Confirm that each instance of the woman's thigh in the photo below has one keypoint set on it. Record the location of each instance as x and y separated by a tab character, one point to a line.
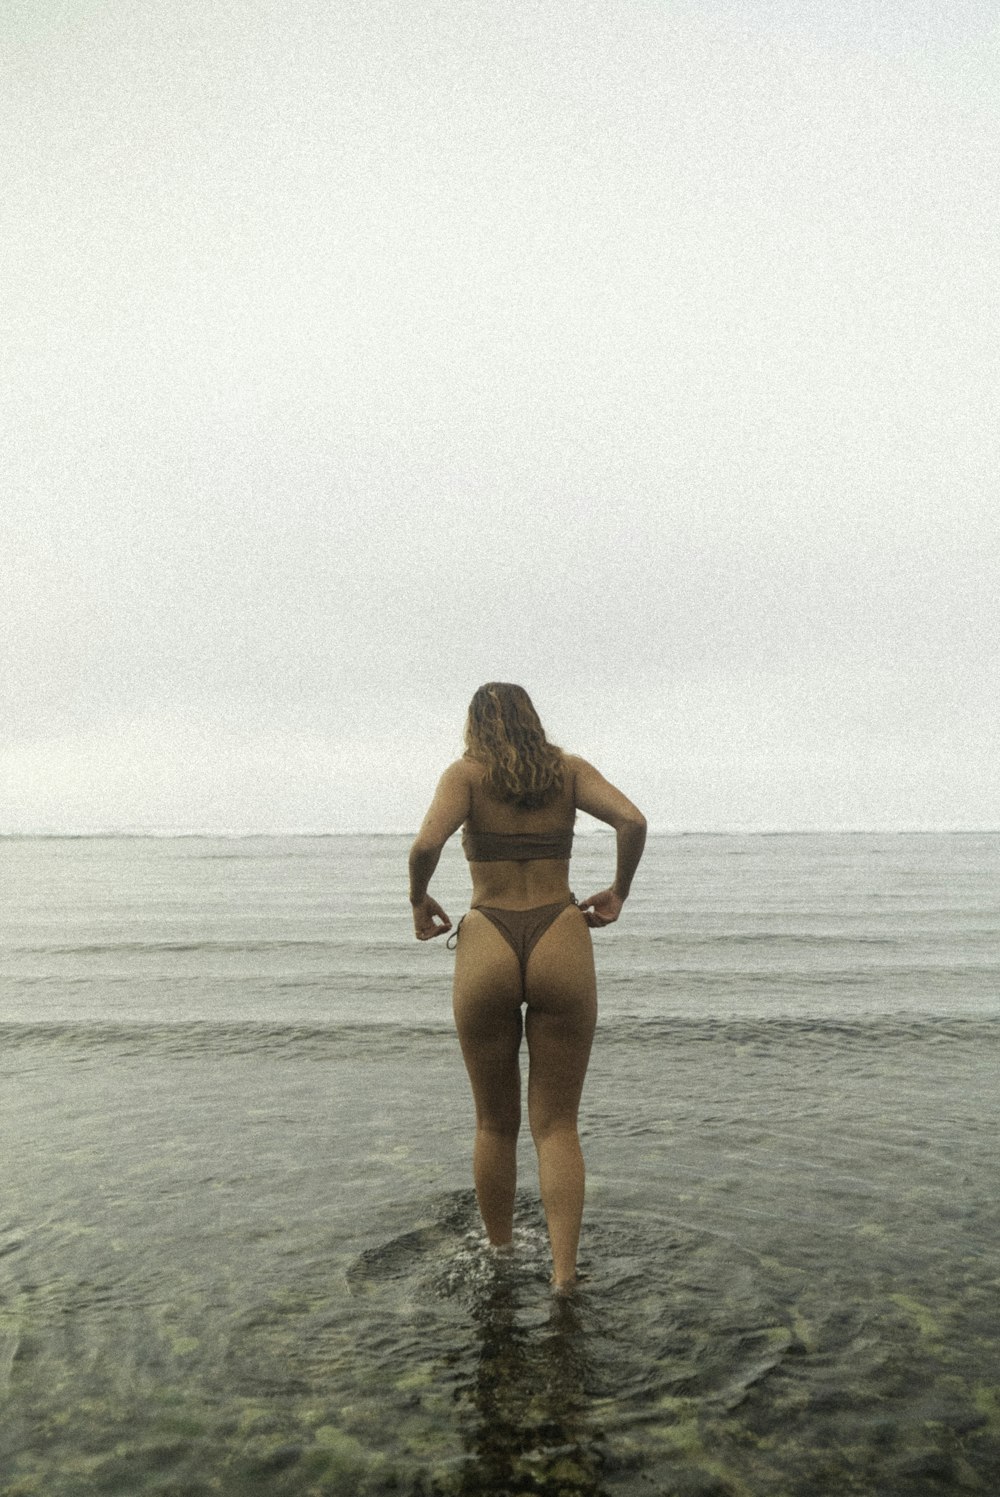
487	1006
561	993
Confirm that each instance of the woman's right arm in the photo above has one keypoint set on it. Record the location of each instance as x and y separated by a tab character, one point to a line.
449	808
599	798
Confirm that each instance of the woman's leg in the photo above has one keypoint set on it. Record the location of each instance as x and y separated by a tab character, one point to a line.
487	1007
561	993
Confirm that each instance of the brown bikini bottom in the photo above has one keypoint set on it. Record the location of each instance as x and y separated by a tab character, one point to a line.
521	929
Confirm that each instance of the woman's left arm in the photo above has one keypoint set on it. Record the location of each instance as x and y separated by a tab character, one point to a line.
448	809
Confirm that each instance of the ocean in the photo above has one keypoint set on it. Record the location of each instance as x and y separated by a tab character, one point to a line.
239	1252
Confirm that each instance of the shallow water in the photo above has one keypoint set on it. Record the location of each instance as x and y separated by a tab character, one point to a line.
238	1253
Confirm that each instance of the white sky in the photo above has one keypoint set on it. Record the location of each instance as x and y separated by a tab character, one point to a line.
642	352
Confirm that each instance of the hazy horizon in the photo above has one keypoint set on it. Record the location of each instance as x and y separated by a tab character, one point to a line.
223	834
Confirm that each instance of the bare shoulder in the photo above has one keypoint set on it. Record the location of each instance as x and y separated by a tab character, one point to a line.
450	806
458	781
463	774
460	772
597	796
577	766
581	771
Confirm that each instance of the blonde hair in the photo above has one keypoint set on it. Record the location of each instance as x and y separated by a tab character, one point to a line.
503	732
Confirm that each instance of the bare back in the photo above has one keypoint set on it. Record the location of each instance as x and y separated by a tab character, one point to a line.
519	884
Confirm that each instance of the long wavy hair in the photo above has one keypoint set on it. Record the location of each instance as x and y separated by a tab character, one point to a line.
504	733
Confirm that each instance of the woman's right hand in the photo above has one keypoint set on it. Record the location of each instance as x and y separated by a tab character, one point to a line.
601	909
427	914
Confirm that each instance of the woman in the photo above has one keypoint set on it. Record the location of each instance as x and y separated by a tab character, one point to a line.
524	941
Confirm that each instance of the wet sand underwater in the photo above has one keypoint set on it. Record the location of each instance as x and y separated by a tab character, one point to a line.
239	1253
247	1262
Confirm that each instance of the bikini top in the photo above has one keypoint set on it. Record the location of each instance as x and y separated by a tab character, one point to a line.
496	847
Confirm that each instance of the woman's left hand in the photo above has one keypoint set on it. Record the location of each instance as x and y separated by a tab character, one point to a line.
601	909
429	919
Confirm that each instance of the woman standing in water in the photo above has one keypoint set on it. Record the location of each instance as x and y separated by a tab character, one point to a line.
524	941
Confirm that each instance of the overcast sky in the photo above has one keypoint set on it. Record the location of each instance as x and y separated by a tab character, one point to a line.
357	351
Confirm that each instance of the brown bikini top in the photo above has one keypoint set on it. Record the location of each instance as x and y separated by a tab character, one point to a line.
516	847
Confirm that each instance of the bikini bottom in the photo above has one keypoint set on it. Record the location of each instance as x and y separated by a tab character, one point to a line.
523	929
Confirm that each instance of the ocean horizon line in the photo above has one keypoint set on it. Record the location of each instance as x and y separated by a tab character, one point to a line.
133	833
